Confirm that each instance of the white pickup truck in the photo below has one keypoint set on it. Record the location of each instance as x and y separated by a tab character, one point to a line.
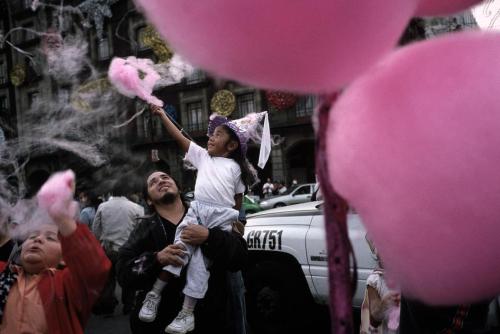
288	273
287	276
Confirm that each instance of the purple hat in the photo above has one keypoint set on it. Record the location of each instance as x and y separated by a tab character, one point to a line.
246	128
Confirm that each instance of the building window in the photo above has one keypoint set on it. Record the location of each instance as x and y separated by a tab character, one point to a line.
246	104
195	77
140	32
4	102
63	96
3	72
103	49
195	116
33	98
305	106
27	32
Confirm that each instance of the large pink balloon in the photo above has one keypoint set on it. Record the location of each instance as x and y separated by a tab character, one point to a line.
414	145
443	7
299	45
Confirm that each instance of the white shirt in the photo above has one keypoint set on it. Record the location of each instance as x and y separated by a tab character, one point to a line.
115	219
219	179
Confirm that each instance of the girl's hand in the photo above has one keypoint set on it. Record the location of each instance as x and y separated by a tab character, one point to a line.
194	234
56	196
392	298
157	111
172	254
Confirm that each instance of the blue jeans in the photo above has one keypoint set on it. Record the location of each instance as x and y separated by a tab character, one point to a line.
237	302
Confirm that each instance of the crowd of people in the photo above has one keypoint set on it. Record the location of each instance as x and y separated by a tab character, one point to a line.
178	264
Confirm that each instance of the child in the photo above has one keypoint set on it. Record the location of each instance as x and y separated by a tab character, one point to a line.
44	294
380	308
222	173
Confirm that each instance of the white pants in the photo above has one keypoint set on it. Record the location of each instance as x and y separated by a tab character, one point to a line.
208	215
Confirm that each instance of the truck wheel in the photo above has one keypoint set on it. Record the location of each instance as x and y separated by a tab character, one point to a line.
277	300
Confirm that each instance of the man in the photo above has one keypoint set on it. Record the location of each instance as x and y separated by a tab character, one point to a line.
113	222
150	247
268	188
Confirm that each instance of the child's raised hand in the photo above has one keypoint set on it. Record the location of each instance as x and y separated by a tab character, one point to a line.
156	110
56	196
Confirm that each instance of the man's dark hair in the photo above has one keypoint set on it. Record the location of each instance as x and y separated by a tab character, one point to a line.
145	193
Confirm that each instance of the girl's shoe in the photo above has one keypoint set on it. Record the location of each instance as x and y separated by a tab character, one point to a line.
183	323
150	307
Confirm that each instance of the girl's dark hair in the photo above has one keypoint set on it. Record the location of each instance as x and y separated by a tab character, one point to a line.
246	174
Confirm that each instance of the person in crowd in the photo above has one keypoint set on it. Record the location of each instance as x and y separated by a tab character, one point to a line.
223	173
268	188
151	246
62	269
113	222
380	307
6	242
294	184
282	189
88	203
417	317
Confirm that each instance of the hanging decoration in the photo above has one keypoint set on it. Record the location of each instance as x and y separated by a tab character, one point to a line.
281	100
152	39
96	11
51	41
82	98
223	102
18	74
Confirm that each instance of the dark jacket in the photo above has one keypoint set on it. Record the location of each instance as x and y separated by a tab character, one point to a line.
138	269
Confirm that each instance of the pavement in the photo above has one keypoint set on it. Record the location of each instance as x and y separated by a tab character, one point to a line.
115	324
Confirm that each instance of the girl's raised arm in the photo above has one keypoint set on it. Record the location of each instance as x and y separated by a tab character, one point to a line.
171	128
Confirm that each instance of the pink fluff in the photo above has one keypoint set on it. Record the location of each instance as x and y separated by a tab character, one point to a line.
56	195
414	147
443	7
393	323
300	45
125	75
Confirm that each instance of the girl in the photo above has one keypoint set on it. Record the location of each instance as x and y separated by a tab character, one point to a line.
223	172
380	308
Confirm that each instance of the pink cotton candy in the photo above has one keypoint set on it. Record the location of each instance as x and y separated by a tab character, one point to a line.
300	45
393	323
134	77
56	195
443	7
414	146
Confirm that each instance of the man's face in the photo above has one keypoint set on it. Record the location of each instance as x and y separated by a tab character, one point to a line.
161	186
41	250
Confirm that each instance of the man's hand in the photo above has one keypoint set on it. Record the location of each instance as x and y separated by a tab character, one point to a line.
194	234
172	254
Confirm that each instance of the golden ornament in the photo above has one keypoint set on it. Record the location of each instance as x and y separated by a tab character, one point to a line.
223	102
82	97
152	39
18	75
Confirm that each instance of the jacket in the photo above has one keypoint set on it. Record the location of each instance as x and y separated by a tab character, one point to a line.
68	294
138	269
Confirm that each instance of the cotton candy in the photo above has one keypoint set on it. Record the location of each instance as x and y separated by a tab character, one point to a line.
134	77
414	146
300	45
56	195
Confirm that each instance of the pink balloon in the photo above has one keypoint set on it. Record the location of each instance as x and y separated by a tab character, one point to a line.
414	146
299	45
443	7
